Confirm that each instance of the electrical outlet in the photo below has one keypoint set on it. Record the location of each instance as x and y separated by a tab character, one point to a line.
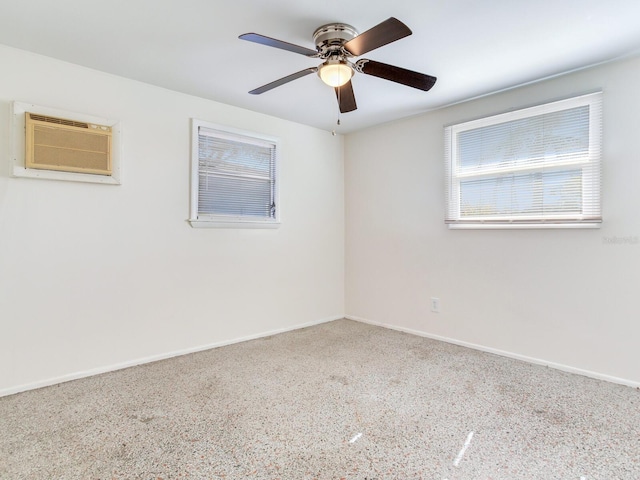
435	305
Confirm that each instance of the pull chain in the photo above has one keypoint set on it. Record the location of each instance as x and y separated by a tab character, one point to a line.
333	132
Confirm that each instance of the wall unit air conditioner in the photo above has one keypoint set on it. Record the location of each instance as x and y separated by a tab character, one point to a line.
67	145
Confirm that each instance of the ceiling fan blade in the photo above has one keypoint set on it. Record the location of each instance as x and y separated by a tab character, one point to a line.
272	42
283	80
346	98
386	32
406	77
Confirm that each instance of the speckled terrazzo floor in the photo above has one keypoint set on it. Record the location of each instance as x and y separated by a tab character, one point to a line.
342	400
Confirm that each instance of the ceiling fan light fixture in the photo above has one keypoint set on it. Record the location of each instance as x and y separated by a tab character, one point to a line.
335	72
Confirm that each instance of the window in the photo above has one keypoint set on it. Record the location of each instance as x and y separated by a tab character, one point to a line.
233	181
537	167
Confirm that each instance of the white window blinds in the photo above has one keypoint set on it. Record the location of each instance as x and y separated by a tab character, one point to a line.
236	177
537	166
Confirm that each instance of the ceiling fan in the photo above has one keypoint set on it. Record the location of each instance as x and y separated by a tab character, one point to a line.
336	44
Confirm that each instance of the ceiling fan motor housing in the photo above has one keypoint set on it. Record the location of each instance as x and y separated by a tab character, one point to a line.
330	38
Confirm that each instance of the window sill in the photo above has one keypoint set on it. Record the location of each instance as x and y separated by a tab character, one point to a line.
240	223
521	226
66	176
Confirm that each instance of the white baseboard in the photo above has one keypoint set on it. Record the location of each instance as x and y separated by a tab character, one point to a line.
154	358
503	353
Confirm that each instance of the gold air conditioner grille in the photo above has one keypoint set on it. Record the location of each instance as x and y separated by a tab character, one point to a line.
67	145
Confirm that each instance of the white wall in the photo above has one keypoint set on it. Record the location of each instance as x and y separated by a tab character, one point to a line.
160	287
95	276
564	297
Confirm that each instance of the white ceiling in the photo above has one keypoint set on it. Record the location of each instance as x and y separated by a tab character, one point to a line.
474	47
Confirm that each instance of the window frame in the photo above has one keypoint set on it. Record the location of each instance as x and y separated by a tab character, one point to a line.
590	164
199	220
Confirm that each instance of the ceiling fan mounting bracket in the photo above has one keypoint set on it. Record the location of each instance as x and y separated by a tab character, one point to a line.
330	38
